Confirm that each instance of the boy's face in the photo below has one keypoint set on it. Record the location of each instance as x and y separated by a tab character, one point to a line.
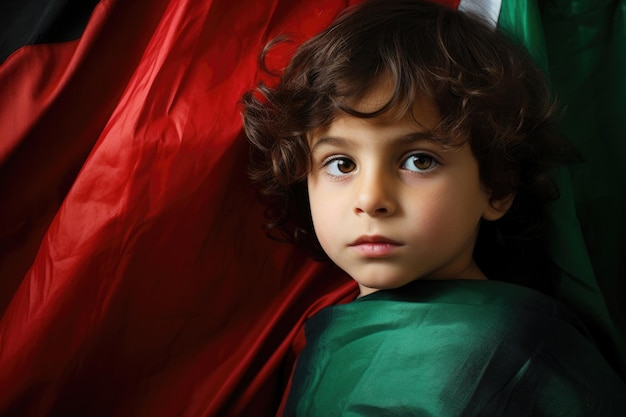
390	206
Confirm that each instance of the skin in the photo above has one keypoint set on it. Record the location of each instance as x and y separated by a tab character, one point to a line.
390	205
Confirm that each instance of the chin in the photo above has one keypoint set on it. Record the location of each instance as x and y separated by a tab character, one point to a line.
382	284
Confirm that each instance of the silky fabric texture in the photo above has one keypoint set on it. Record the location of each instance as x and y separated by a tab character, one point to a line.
41	21
452	348
135	276
586	50
580	45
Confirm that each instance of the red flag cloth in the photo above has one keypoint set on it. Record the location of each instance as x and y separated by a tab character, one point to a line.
137	279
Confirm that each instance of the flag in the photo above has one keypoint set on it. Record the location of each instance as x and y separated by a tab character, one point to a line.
136	277
580	45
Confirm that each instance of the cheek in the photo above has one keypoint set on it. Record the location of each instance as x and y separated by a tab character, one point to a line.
323	213
443	214
326	230
433	217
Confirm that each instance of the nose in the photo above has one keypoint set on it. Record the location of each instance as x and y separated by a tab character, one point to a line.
375	195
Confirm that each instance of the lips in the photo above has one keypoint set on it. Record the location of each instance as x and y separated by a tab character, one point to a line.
375	246
373	239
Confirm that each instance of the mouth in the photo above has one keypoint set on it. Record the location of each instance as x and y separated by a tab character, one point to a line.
375	246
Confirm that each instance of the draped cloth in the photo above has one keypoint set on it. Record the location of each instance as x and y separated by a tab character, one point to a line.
452	348
135	276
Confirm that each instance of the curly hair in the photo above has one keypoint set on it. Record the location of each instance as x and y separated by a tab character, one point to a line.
487	91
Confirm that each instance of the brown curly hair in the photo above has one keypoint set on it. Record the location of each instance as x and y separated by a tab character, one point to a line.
487	91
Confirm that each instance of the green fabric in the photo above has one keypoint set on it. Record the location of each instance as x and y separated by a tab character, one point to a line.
452	348
582	47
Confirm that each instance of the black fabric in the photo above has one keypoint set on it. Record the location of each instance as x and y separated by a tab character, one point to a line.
27	22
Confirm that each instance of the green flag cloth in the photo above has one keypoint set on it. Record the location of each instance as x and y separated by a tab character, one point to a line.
582	47
452	348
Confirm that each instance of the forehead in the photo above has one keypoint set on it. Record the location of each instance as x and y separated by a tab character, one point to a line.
421	115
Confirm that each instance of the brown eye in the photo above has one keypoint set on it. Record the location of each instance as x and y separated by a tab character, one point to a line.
340	166
419	162
345	165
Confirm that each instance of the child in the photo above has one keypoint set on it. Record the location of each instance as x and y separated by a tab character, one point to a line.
410	144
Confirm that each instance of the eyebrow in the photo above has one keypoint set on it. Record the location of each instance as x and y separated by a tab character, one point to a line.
403	139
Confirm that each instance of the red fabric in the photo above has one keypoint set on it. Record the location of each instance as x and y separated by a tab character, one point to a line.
136	278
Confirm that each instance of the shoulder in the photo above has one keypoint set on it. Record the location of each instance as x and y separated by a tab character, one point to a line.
488	309
487	345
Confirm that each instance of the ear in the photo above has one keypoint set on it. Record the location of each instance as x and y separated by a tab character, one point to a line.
498	207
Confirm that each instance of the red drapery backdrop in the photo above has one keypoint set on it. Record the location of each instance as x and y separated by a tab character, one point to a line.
136	277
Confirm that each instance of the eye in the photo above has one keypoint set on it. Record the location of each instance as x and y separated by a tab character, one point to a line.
419	162
339	166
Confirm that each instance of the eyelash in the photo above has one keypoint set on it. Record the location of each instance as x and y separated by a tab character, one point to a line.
332	163
328	163
432	162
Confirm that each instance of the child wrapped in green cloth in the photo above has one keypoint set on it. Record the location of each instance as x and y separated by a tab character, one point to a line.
411	145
